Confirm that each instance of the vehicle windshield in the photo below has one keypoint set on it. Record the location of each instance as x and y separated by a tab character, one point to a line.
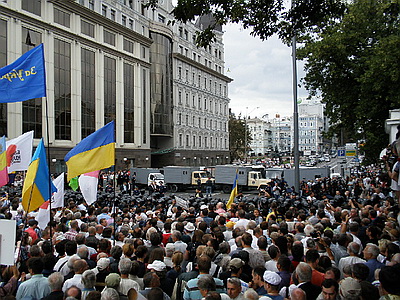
203	175
159	177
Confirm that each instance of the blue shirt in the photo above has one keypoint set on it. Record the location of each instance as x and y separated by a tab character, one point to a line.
36	287
192	292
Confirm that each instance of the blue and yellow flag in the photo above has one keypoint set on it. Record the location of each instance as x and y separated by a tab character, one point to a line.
38	186
93	153
25	78
234	192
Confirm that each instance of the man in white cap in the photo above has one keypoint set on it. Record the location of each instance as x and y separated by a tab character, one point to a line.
189	229
271	283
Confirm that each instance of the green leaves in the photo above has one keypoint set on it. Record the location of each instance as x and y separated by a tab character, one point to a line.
264	17
355	66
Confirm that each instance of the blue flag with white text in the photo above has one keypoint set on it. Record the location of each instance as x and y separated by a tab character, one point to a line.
25	78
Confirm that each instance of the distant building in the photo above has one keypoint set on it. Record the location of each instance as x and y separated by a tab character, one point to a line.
261	136
276	134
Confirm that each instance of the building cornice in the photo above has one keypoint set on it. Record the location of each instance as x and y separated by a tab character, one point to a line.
202	67
91	15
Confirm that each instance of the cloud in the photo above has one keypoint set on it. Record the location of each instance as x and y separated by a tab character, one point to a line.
261	73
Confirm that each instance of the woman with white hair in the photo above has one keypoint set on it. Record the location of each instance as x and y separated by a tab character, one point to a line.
126	284
89	281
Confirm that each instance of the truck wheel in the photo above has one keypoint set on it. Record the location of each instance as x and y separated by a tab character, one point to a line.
227	189
174	188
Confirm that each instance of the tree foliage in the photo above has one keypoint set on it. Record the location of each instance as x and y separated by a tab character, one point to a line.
237	137
355	66
264	17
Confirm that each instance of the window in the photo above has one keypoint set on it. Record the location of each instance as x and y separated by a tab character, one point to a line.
179	97
62	89
161	18
200	138
130	23
187	141
123	20
31	109
143	50
91	4
179	119
186	35
112	15
130	3
109	89
180	140
194	141
180	32
61	17
129	46
87	92
179	73
87	28
109	37
129	103
104	10
32	6
144	105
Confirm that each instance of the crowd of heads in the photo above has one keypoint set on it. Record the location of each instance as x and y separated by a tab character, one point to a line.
336	239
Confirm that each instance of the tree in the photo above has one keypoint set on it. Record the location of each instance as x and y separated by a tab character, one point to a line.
237	137
264	17
355	66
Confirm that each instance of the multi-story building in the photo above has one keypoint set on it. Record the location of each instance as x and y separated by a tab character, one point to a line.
118	60
282	132
312	124
262	137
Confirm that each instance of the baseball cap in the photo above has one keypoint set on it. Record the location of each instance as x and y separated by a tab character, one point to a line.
157	265
349	287
113	280
236	263
272	278
230	224
103	263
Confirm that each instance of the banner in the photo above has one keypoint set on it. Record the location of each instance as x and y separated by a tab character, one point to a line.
19	152
88	183
58	197
25	78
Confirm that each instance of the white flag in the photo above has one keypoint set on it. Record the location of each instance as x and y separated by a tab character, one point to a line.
19	152
58	198
43	216
88	185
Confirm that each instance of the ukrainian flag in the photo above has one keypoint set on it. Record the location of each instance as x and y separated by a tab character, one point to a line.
93	153
38	186
234	192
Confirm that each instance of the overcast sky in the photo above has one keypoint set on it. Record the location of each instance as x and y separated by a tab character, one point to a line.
261	73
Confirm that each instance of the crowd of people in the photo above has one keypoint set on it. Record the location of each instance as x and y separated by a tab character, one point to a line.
337	239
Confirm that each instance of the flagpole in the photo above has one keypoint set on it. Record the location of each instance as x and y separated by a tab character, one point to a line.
26	220
115	192
48	163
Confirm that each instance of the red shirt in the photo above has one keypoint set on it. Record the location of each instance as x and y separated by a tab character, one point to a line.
32	234
317	277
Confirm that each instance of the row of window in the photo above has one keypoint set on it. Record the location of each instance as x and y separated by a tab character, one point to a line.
200	122
198	103
200	142
32	109
202	82
197	58
183	33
